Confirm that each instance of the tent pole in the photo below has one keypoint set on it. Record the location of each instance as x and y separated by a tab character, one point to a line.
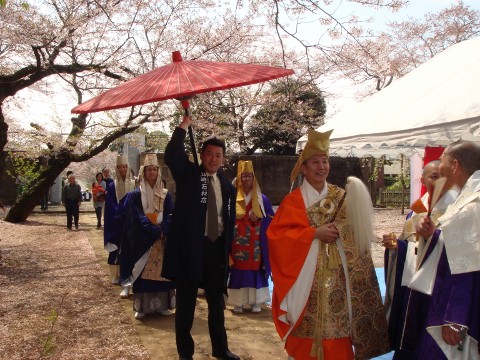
403	184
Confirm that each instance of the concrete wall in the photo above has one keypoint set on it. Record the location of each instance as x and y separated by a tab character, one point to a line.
55	192
273	172
133	152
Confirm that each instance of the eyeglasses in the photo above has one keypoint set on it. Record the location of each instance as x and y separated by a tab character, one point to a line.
247	176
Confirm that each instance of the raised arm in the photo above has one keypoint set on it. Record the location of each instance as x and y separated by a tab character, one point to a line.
176	157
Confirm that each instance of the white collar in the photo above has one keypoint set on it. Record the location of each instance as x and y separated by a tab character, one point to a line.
473	182
311	195
448	198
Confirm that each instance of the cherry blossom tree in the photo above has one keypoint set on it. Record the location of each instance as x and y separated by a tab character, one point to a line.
87	47
76	49
86	170
417	40
380	58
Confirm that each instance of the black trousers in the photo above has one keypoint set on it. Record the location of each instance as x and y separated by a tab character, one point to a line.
113	258
44	201
98	212
71	205
213	276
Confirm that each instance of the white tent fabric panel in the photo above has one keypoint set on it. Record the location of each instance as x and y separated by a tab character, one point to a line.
434	105
416	170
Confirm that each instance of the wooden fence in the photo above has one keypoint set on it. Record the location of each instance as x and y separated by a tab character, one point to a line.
394	198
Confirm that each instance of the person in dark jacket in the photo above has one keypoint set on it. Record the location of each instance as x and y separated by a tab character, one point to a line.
198	244
71	199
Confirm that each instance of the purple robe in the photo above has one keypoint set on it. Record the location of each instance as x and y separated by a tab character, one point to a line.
404	343
455	299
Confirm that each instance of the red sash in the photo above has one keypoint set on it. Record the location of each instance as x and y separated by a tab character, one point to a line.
246	251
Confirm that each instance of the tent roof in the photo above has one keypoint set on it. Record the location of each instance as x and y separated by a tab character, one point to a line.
434	105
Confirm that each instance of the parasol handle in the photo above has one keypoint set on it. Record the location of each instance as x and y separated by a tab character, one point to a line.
186	107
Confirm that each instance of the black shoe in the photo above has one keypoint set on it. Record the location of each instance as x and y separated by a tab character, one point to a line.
227	356
76	227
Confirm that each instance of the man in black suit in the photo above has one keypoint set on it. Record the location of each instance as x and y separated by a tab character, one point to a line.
198	243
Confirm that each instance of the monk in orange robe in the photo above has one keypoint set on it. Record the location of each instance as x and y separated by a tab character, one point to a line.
326	299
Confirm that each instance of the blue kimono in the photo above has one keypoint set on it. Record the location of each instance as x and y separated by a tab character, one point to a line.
112	225
138	236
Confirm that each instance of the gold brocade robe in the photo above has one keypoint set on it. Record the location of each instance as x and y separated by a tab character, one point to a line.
327	314
153	266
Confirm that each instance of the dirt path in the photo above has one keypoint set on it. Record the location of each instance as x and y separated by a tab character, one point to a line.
251	336
54	299
90	311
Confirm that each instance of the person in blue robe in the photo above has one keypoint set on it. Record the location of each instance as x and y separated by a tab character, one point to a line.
115	192
146	220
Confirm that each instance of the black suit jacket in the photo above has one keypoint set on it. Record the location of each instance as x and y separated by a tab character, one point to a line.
183	258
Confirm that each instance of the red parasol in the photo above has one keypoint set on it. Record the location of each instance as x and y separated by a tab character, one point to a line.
181	80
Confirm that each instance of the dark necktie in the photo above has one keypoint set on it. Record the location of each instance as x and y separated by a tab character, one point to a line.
212	215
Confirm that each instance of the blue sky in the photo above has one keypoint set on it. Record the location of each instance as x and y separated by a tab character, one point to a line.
416	8
342	10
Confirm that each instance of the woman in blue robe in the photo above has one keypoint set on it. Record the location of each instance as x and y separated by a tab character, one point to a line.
147	216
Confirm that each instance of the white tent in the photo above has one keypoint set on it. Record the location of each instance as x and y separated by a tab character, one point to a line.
434	105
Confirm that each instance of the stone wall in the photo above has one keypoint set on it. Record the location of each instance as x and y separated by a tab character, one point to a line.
273	172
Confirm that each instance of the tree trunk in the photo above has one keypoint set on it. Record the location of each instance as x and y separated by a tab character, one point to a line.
3	132
24	205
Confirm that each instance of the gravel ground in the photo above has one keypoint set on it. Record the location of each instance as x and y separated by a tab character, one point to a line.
386	221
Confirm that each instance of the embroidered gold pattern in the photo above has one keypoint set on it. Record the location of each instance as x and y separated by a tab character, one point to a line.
327	309
153	267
